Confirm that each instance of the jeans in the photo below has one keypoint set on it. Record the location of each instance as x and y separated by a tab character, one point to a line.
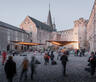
24	72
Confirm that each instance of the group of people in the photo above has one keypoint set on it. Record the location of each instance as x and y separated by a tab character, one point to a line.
48	56
10	65
80	52
10	68
63	58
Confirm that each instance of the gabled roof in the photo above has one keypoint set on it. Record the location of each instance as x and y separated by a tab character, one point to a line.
8	26
41	25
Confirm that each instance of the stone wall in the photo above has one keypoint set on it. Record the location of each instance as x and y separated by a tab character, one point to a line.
91	30
80	32
66	35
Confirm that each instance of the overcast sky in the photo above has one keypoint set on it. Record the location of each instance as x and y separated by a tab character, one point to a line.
63	11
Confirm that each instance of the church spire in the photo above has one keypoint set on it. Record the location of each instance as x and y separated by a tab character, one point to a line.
54	25
49	19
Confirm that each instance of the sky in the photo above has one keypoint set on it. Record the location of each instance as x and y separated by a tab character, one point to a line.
64	12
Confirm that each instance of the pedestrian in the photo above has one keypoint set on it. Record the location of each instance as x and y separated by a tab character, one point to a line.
81	53
4	54
10	69
58	55
92	62
64	60
78	52
52	56
33	66
95	54
75	52
67	52
0	52
46	58
24	68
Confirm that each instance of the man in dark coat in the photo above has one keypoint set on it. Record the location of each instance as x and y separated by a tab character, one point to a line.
92	61
64	60
10	69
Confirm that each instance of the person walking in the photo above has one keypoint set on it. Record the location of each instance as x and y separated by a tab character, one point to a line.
52	56
81	53
33	66
4	54
46	58
24	68
58	56
78	52
64	60
10	69
0	52
92	62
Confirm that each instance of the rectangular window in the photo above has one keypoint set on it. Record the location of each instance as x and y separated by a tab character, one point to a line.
8	34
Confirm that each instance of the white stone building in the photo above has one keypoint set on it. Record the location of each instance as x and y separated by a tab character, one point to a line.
84	31
77	33
40	31
80	32
91	29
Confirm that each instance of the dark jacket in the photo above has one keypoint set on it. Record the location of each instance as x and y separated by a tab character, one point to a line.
52	55
10	68
64	59
92	61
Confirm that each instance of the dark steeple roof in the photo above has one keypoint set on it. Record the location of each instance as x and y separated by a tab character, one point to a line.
49	19
41	25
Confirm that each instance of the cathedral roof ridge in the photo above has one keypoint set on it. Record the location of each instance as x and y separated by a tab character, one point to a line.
40	24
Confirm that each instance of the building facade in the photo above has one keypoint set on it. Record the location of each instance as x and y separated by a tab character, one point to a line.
33	30
9	33
80	32
91	30
77	33
40	31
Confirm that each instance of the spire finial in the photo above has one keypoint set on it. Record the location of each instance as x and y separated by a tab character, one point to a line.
49	5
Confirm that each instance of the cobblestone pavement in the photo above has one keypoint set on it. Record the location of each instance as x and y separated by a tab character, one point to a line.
50	73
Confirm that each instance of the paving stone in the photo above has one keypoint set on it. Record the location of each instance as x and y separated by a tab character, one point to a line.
53	73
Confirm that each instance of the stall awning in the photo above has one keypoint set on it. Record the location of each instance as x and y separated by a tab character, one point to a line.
61	43
27	43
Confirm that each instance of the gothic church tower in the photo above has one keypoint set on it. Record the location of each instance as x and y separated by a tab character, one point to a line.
49	20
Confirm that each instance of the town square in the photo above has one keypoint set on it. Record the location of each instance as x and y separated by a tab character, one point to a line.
47	41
